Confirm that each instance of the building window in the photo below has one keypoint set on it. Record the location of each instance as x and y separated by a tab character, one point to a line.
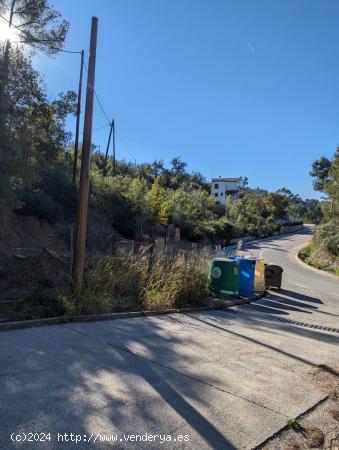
216	186
216	194
222	194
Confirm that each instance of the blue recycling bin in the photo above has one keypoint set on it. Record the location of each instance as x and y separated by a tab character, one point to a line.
246	275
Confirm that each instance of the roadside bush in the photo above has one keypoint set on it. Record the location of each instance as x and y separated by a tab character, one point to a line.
40	205
140	282
327	237
120	276
218	230
306	252
41	304
176	283
331	243
323	251
60	189
95	301
109	197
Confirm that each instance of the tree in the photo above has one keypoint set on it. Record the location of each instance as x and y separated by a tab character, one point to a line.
38	24
178	172
320	171
34	136
137	194
312	212
326	173
295	206
332	185
40	27
277	206
243	182
198	181
178	166
159	203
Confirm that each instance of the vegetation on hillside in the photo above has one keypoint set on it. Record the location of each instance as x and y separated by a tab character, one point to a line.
323	251
151	194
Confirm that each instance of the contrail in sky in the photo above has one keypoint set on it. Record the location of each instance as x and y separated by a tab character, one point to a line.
250	47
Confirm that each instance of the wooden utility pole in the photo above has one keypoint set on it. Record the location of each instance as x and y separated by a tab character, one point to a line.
80	233
76	143
107	148
113	147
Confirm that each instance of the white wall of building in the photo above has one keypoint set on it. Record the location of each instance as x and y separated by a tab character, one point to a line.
222	187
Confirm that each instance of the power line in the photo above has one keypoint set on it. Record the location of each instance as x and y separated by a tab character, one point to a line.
52	47
100	128
101	107
37	41
99	102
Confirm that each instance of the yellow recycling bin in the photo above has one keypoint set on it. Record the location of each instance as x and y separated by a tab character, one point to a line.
259	274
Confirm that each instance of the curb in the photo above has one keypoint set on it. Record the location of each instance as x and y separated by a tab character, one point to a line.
219	305
295	252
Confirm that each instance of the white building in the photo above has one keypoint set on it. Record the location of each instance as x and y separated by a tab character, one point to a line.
222	187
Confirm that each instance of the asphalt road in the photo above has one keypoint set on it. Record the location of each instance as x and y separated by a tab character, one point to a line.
221	379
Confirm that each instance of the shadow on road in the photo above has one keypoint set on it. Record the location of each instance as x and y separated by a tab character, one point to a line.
302	297
278	305
281	302
73	380
254	323
289	302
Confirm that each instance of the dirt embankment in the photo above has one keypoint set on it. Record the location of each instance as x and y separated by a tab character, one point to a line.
35	260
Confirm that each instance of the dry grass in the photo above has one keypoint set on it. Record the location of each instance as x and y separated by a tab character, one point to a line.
176	282
143	281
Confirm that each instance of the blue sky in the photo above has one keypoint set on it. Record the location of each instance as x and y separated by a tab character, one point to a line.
233	87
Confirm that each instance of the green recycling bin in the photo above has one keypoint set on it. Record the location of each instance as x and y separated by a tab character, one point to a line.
223	278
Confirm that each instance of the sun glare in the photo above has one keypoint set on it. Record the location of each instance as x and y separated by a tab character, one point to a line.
8	33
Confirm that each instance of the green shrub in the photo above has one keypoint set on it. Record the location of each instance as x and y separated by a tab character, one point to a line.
140	281
331	243
45	303
60	189
323	230
318	263
176	283
323	251
95	301
222	230
327	237
109	197
40	205
213	230
306	252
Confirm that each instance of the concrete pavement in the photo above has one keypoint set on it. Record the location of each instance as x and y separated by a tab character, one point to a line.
220	379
